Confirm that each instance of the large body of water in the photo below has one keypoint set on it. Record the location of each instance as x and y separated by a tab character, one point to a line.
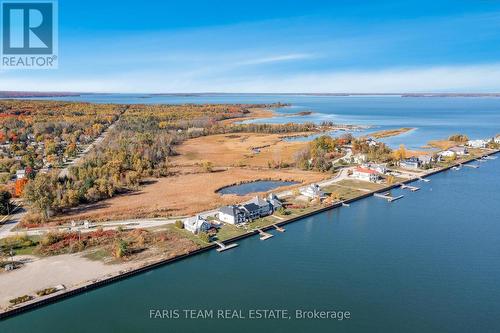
433	117
427	263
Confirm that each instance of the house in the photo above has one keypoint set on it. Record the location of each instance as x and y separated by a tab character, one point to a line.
477	143
251	210
20	174
265	207
274	202
312	191
197	224
376	167
410	163
232	215
460	151
365	174
425	160
359	158
497	139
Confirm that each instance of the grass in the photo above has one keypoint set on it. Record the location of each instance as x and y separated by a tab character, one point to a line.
228	231
358	184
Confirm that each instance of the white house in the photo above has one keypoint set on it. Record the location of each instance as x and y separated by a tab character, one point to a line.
477	143
312	191
380	168
360	158
426	159
20	174
447	153
365	174
232	215
497	139
410	163
197	224
460	151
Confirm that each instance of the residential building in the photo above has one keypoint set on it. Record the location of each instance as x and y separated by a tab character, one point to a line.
497	139
460	151
265	207
365	174
20	174
380	168
360	158
251	210
232	215
477	143
410	163
274	201
197	224
425	160
312	191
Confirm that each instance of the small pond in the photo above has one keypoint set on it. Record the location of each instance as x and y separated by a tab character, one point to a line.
257	186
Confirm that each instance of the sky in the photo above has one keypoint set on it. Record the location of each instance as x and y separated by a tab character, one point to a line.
272	46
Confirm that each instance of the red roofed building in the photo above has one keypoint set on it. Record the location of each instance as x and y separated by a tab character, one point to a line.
365	174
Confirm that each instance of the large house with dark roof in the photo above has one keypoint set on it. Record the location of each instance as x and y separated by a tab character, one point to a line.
250	210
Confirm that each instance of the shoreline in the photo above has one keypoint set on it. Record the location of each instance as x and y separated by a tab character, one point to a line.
97	283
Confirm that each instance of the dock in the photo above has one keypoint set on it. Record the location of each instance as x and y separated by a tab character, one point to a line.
223	247
473	166
264	235
411	188
387	196
424	179
345	205
489	157
280	229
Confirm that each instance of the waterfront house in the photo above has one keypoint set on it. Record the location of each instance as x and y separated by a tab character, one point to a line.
425	160
460	151
380	168
274	202
497	139
365	174
477	143
410	163
251	211
312	191
265	207
197	224
232	215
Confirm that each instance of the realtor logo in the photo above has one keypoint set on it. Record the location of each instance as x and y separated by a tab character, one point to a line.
29	34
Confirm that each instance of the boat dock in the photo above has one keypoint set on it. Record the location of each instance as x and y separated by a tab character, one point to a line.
424	179
264	235
473	166
411	188
345	205
387	196
223	247
280	229
489	158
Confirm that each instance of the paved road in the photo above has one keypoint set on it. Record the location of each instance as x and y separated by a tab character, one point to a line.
9	222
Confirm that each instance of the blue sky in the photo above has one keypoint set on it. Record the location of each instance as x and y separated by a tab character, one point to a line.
272	46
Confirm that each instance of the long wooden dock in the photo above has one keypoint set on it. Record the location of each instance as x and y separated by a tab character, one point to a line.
223	247
411	188
387	196
473	166
264	235
280	229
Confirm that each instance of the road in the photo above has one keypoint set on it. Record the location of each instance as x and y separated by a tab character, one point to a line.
64	172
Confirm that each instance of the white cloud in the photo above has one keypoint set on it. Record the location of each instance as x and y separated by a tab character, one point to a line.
466	78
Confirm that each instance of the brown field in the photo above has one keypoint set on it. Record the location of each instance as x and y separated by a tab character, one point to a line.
236	150
184	194
442	144
255	113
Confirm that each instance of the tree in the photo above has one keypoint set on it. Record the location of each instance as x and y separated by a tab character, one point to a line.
40	193
400	154
204	236
179	224
5	197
